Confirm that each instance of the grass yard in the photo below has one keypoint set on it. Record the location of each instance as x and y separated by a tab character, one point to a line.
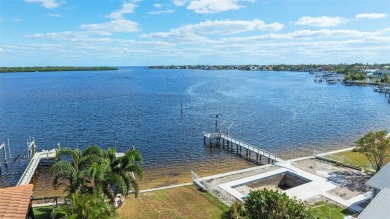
358	159
323	209
181	202
42	212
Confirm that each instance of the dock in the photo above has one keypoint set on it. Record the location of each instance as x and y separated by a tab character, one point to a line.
35	158
229	142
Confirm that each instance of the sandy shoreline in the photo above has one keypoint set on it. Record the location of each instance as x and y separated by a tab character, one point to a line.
160	176
154	178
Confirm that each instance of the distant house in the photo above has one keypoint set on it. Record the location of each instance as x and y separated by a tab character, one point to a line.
380	196
382	72
15	202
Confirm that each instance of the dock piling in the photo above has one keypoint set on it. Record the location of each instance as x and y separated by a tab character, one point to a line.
239	145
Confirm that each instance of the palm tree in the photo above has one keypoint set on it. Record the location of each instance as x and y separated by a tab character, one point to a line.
126	167
84	206
75	170
97	171
116	173
71	171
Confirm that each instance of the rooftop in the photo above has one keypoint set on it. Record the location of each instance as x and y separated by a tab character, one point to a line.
381	179
15	201
379	207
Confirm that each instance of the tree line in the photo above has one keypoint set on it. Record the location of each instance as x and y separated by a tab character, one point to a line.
53	68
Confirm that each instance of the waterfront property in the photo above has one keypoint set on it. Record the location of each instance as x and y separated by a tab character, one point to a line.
380	181
307	179
380	196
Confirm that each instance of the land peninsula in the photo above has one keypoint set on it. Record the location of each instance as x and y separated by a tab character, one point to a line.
342	68
53	68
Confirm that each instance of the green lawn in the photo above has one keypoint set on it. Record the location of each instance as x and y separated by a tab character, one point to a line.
357	158
42	212
182	202
323	209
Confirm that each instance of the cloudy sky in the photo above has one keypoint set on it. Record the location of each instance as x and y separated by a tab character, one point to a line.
165	32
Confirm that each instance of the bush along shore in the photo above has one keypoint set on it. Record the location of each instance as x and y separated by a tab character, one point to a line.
53	68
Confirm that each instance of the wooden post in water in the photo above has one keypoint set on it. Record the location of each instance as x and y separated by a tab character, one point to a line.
204	140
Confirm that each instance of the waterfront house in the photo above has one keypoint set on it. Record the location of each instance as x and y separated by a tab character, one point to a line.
381	73
379	207
15	202
380	196
380	180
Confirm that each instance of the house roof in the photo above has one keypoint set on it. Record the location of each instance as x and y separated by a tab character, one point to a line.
378	207
381	179
15	201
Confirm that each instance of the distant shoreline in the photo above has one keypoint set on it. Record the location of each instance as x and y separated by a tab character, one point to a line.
53	69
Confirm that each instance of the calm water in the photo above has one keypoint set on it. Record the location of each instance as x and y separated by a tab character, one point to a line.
282	112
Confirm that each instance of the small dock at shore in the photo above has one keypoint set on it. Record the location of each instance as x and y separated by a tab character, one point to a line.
35	159
236	146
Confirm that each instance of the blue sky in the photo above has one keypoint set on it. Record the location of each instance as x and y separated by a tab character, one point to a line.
156	32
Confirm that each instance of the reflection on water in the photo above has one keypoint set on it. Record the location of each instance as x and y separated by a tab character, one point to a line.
282	112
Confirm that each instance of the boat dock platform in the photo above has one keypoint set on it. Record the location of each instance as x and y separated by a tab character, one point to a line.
230	142
33	165
35	157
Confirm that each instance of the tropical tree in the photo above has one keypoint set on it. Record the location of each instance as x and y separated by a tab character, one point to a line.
97	172
117	174
375	146
127	168
72	171
84	206
269	204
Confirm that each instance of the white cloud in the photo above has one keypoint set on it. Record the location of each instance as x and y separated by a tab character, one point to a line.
162	9
329	46
211	6
218	27
127	8
180	2
371	15
119	25
322	21
167	11
18	20
50	4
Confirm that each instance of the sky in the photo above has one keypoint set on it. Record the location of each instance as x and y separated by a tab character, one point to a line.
179	32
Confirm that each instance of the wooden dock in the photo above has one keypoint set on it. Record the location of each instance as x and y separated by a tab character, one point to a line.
239	145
